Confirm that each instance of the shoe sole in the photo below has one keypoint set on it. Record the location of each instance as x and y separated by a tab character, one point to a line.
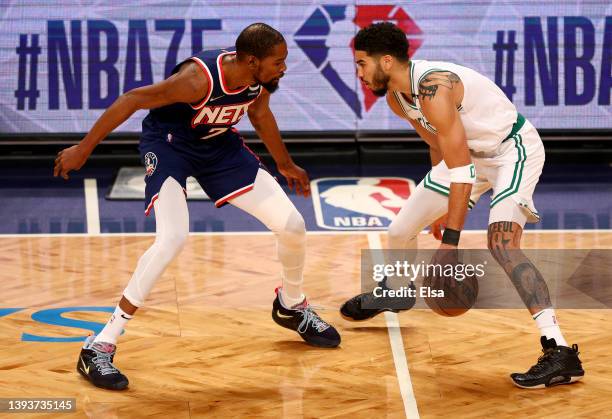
573	379
318	344
84	374
351	319
322	344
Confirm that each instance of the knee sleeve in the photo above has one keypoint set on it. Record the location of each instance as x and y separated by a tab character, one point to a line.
172	230
294	231
269	204
291	242
399	237
422	208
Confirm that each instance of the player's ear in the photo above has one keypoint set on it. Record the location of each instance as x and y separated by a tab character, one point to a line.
386	61
253	62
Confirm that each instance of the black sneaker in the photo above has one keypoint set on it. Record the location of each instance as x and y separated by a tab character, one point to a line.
96	364
558	365
304	320
355	308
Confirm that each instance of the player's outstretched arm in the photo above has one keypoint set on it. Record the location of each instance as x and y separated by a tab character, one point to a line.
437	94
187	85
265	125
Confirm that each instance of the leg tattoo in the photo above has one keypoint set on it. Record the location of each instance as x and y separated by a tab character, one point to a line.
504	243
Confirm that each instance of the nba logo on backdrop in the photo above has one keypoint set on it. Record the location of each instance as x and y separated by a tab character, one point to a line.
335	62
367	203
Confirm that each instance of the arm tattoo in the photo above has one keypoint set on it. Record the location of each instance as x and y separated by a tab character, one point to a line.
429	85
528	281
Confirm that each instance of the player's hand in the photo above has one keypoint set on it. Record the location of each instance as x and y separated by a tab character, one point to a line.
71	158
437	226
297	179
447	254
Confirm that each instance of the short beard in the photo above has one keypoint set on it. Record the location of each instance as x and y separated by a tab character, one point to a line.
270	86
380	79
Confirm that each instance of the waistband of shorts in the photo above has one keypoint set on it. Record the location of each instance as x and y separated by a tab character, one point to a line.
520	121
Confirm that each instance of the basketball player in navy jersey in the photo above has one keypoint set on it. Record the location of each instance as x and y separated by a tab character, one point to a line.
189	132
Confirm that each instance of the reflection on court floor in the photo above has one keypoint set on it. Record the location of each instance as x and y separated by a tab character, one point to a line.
205	344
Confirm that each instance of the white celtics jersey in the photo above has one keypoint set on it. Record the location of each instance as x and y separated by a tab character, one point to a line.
486	113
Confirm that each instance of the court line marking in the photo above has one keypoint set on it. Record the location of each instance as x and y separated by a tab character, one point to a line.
91	207
268	233
397	348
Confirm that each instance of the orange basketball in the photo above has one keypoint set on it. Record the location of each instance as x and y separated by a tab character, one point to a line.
459	296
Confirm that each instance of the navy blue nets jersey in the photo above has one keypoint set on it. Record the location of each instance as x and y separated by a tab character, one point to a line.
215	113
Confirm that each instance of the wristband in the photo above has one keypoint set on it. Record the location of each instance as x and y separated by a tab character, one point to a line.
451	236
463	174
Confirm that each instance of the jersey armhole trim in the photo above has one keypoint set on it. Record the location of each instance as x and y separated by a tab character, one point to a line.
400	102
208	75
225	89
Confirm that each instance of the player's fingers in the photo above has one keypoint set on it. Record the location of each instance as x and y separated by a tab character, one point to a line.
56	169
435	230
305	186
290	183
298	187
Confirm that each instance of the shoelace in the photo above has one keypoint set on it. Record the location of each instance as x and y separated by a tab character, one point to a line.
541	361
309	316
103	363
361	298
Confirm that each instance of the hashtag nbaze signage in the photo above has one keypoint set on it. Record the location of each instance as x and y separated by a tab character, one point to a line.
62	64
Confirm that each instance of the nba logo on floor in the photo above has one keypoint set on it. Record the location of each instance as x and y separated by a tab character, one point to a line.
359	203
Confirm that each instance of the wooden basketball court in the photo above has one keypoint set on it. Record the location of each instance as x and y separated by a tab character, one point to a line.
205	345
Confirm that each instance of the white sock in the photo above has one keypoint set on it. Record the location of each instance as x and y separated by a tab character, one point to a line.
114	327
293	297
547	323
289	301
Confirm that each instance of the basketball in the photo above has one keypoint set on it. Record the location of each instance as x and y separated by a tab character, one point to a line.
458	296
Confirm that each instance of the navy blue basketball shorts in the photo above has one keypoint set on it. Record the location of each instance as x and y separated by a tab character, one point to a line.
224	166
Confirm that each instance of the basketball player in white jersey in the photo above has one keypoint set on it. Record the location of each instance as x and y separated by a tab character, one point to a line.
478	141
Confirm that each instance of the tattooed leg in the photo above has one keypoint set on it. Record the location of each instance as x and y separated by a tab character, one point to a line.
504	239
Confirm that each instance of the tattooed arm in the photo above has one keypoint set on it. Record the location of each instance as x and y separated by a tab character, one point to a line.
504	243
439	93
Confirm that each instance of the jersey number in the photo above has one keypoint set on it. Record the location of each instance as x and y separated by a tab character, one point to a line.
213	132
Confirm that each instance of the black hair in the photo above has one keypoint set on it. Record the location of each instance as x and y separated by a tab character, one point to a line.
381	39
257	39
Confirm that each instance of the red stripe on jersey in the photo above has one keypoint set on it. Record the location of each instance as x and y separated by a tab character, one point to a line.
210	82
224	86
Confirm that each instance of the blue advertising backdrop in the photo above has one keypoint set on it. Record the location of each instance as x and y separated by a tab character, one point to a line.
63	62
